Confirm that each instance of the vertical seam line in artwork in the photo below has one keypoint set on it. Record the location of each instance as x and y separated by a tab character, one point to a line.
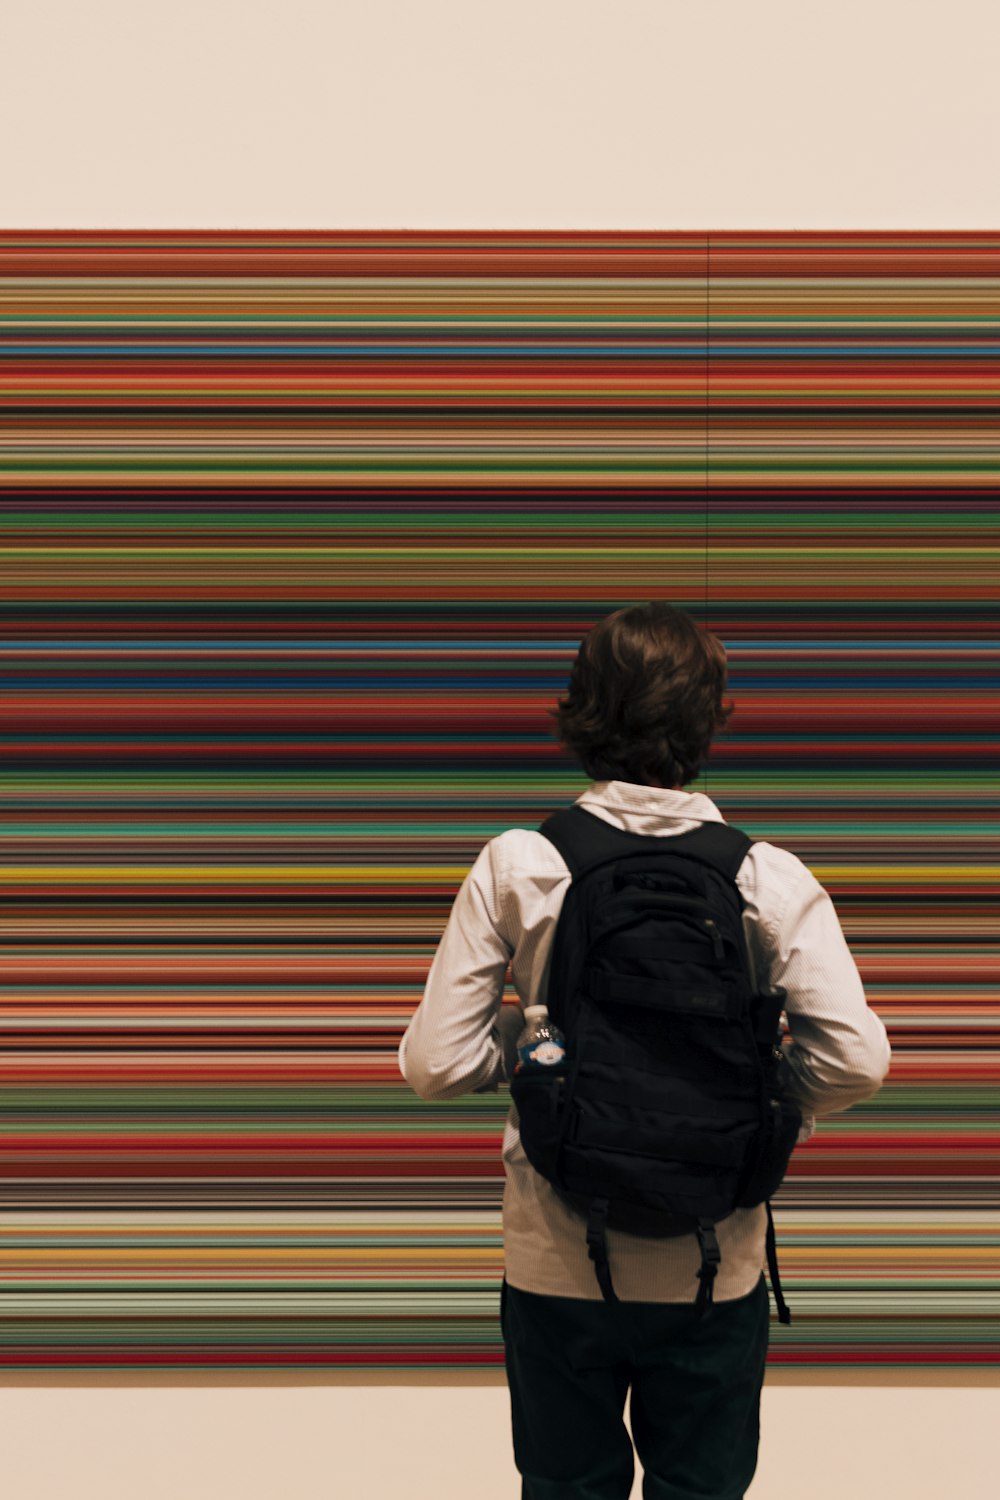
708	311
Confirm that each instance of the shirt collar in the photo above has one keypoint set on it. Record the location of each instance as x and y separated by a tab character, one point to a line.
659	800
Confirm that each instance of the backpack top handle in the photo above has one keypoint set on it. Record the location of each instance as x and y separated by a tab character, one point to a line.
586	841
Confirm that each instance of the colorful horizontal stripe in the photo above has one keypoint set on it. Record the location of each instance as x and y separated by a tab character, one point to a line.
300	534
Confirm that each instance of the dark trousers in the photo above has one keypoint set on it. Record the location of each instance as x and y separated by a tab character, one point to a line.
695	1406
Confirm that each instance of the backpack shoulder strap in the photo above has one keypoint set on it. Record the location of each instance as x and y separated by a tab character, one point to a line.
585	841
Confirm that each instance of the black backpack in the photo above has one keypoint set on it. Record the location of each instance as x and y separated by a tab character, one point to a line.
667	1113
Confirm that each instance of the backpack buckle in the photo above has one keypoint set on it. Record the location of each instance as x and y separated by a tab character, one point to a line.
711	1257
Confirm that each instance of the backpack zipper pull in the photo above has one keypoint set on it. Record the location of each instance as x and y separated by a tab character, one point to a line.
713	933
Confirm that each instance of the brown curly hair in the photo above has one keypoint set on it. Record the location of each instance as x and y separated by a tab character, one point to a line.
645	697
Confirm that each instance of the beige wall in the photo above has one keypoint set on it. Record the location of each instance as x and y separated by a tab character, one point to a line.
767	114
530	114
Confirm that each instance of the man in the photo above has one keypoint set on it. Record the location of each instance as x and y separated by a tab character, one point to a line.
645	698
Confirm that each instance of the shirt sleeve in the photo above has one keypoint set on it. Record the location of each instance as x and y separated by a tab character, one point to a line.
452	1045
838	1052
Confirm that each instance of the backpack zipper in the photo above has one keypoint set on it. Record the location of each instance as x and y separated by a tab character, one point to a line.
701	924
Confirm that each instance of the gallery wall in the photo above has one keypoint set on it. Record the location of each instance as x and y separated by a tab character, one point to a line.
567	114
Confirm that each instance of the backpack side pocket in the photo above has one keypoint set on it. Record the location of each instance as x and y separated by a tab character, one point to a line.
540	1099
783	1121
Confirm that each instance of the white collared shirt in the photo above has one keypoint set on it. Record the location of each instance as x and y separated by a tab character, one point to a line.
506	912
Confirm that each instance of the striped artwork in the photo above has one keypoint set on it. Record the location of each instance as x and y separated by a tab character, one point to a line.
301	532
